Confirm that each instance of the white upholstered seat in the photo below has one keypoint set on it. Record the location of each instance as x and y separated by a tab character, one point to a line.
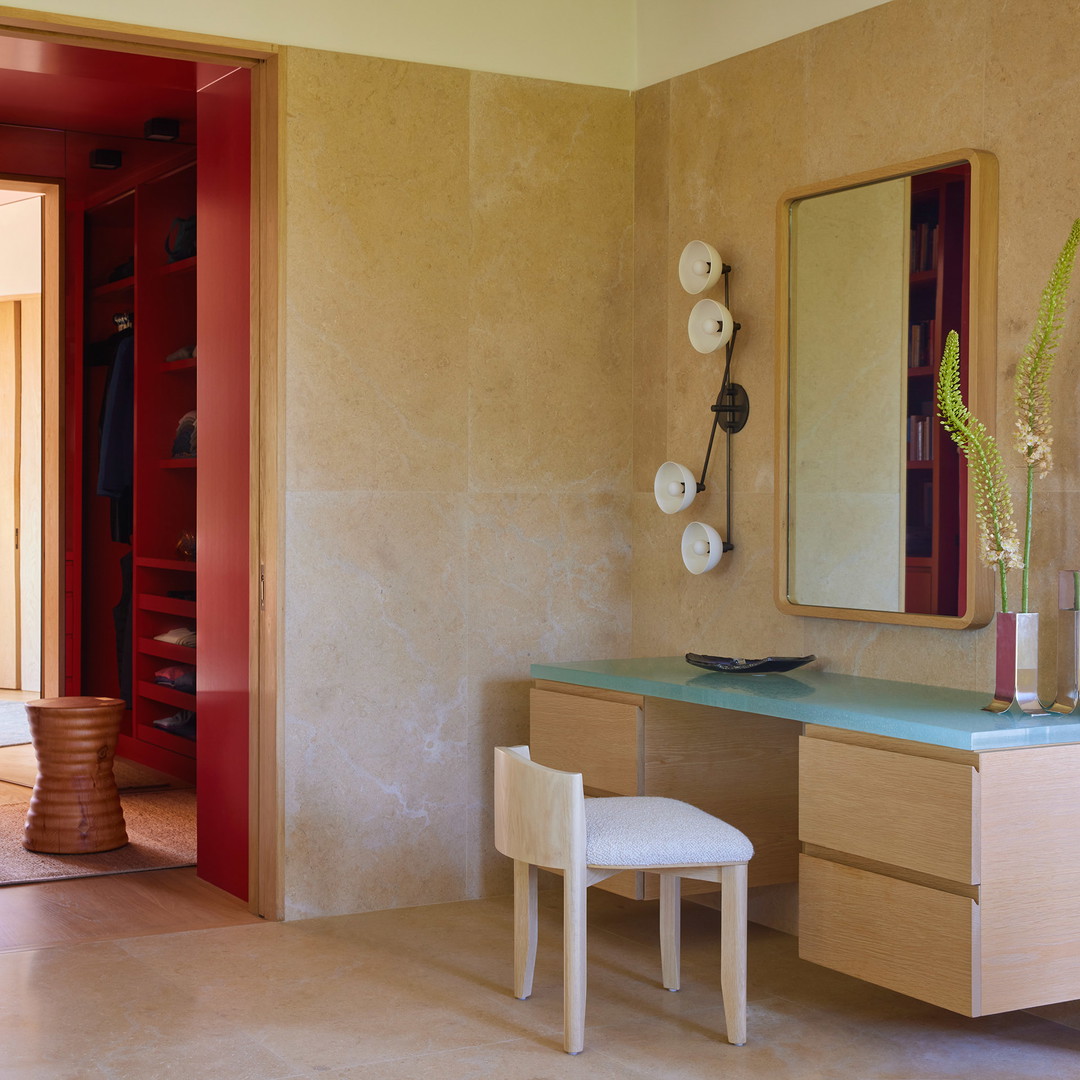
633	831
542	819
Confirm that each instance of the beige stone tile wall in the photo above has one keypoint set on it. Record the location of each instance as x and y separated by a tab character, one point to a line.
487	360
458	449
719	147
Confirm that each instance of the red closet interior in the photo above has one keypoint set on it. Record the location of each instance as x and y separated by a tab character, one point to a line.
939	284
157	402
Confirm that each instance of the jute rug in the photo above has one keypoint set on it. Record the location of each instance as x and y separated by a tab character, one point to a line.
18	765
14	726
161	834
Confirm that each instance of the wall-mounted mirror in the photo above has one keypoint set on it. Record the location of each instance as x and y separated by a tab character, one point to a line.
874	517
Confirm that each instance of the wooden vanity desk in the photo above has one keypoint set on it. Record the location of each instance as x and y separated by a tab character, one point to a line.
936	846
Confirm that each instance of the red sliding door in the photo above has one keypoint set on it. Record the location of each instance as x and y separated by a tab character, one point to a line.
224	497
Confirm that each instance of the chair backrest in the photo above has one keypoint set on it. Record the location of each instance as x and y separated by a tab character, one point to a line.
539	812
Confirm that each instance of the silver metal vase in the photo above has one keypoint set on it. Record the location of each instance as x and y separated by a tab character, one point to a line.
1016	669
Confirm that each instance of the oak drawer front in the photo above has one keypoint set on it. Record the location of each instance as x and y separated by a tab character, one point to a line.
600	739
905	937
908	811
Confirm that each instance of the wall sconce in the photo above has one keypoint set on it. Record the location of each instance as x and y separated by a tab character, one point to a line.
710	327
700	267
702	547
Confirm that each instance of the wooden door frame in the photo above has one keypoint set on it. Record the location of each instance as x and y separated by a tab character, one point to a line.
266	847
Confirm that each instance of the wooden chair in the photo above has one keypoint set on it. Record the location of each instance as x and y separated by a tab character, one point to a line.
542	819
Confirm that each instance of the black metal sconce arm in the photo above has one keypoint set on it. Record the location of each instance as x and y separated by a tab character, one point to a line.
730	412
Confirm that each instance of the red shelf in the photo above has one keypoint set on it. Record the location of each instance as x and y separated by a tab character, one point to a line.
111	288
149	733
167	605
181	267
180	365
179	463
166	695
164	564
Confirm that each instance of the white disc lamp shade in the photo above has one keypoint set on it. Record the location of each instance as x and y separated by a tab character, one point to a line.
700	267
674	487
701	547
710	326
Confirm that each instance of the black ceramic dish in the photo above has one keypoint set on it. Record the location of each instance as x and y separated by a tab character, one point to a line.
732	665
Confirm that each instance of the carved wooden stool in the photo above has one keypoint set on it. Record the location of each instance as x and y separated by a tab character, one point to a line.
75	807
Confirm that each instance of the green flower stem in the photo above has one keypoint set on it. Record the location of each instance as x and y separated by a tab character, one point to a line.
993	503
1032	387
1004	585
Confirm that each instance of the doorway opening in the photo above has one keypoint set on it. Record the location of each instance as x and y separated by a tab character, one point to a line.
21	344
20	442
66	93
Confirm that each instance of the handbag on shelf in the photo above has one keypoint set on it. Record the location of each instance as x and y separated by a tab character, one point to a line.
180	241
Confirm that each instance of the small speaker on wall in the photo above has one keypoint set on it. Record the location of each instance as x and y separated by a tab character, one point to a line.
106	159
161	129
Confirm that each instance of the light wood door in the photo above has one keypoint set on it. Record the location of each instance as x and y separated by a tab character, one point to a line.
10	460
30	495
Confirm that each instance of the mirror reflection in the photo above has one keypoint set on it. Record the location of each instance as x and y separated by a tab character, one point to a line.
878	272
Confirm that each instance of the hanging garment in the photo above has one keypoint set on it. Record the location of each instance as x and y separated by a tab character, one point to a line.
116	463
122	622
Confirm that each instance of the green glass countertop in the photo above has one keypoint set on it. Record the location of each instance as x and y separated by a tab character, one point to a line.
901	710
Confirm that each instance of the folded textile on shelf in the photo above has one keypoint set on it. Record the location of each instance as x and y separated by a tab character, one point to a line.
180	635
186	440
126	269
185	352
177	676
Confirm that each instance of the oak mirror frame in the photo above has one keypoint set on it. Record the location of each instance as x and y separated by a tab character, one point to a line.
875	520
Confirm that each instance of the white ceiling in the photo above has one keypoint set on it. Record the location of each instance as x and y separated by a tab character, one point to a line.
625	44
8	196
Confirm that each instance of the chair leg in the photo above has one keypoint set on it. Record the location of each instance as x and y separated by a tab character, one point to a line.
733	950
670	929
524	927
574	974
